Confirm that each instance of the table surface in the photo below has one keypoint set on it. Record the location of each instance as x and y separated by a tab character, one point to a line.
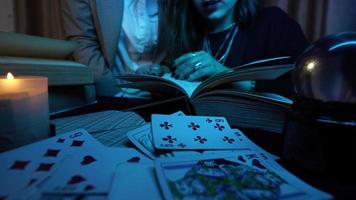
109	126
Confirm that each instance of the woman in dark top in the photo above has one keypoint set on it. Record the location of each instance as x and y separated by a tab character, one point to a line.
208	37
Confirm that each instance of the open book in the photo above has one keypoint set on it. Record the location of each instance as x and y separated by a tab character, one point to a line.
242	108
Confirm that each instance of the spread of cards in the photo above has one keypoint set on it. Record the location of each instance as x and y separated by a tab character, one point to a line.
178	157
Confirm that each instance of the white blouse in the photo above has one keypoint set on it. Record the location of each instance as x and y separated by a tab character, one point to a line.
137	41
138	38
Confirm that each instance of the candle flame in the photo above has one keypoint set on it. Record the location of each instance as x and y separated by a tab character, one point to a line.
10	76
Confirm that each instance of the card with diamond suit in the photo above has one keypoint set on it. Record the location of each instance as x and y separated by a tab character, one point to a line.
90	171
29	165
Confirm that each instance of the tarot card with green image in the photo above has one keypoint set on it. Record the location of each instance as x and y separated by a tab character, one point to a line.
221	177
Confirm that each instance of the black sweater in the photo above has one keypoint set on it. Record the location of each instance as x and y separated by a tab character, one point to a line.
274	34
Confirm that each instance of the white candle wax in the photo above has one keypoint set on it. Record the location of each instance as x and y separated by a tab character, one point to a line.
24	115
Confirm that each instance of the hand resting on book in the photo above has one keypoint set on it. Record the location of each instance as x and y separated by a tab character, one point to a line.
196	65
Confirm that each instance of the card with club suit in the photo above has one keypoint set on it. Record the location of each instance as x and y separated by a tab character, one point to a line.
192	133
142	138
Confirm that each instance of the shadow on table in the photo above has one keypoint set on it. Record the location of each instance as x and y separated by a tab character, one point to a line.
142	107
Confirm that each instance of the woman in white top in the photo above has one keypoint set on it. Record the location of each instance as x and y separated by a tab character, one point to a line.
115	37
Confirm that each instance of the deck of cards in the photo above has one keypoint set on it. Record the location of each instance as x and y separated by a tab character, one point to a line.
178	134
200	157
177	157
68	165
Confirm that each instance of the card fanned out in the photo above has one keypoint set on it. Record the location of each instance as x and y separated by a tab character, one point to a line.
195	157
70	164
30	165
192	133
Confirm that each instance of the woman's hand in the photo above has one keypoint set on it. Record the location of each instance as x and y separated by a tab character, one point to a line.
196	65
151	69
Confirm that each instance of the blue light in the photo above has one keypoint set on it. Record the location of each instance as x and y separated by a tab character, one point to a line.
342	45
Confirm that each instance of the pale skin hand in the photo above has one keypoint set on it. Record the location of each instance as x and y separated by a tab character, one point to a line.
185	69
186	66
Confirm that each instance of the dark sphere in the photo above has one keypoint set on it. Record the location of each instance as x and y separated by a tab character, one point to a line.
326	71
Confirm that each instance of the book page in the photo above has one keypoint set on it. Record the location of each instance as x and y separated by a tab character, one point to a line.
187	86
252	73
277	97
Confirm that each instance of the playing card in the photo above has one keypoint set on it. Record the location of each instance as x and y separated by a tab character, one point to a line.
98	122
29	165
129	177
179	113
192	132
245	156
243	144
188	153
248	157
90	171
222	177
73	197
252	146
142	138
36	193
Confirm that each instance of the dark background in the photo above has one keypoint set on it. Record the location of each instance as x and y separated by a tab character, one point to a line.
317	17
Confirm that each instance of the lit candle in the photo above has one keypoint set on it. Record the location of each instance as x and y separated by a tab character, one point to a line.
24	115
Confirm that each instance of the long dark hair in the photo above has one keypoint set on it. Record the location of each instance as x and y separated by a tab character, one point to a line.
182	29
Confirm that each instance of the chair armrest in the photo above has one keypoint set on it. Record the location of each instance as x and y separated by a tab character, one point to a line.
21	45
59	72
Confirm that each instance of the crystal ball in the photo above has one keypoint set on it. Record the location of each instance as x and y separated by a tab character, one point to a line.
326	70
